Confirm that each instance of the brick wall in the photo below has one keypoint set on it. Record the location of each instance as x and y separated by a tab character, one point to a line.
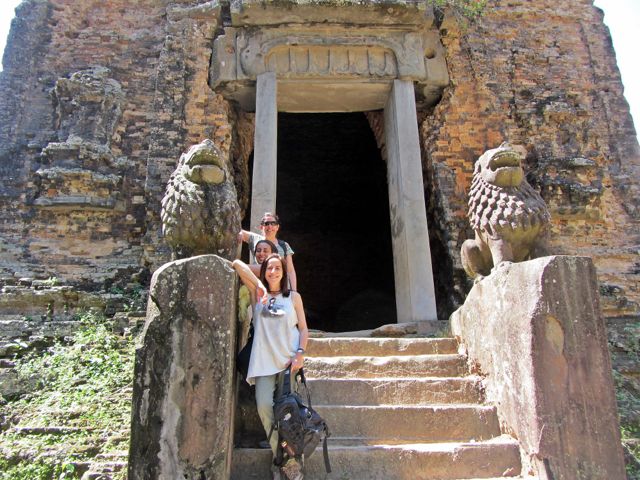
158	54
542	75
539	74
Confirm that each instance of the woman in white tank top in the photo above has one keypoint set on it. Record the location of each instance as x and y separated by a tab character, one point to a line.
280	333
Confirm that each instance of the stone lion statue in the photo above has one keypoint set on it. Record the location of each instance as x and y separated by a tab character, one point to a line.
508	216
200	212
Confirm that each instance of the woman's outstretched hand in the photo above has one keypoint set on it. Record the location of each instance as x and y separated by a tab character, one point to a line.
296	362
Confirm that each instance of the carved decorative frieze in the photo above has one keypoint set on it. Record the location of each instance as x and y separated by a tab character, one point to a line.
358	55
88	105
244	54
76	187
81	170
309	61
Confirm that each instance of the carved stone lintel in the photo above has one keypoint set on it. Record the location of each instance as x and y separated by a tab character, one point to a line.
315	55
308	61
309	55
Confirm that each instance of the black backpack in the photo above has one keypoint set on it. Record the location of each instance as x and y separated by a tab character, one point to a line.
300	428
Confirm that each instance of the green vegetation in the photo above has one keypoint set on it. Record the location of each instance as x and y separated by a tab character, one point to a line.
630	436
78	407
134	294
136	298
467	9
629	410
625	349
51	281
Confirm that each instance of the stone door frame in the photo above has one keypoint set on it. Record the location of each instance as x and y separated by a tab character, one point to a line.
413	273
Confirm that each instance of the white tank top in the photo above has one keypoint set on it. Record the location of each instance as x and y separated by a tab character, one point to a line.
275	338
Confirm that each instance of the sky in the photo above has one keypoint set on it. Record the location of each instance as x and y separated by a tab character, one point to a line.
623	19
621	16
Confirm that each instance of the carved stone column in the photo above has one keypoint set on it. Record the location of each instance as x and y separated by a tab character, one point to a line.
415	293
265	156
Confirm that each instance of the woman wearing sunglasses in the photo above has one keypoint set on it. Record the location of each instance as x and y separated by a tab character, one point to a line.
279	339
269	225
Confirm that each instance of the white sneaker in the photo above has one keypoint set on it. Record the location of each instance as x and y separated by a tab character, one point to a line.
293	470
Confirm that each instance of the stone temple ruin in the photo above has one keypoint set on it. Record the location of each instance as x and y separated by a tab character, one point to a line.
359	123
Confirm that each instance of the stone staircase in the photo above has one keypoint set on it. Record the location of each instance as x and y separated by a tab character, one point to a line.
398	408
106	466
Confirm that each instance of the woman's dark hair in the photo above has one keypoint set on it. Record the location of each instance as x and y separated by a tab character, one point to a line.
274	249
284	281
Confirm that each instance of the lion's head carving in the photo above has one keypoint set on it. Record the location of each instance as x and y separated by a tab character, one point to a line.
507	215
200	212
500	166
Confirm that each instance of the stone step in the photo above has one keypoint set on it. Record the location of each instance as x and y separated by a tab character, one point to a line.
447	365
116	455
395	391
50	430
344	346
415	424
28	327
55	300
104	470
497	458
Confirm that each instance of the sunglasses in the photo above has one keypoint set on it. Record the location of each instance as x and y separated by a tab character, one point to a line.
271	310
269	224
271	306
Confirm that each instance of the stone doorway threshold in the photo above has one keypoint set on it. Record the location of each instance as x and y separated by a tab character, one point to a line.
430	328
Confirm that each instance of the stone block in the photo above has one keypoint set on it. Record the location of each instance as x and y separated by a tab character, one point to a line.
356	12
535	329
13	386
183	392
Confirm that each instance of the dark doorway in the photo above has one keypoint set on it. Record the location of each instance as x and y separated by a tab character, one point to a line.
334	208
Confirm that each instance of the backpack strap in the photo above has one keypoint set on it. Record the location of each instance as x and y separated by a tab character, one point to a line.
279	392
278	459
300	375
283	246
283	384
325	449
325	454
